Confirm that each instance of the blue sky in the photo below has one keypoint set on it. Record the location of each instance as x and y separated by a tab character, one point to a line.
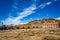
23	11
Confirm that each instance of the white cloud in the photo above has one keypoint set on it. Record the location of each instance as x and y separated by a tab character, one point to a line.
48	3
55	0
31	18
58	18
17	20
15	3
10	21
15	7
28	11
43	5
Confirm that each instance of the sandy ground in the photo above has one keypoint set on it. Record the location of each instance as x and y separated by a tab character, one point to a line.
30	34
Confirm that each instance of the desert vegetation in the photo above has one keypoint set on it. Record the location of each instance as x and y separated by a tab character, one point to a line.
31	34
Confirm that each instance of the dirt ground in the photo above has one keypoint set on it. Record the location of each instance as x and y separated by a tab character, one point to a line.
26	34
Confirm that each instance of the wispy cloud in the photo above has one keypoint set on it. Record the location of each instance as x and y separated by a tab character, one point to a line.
17	20
27	11
55	0
14	6
58	18
43	5
48	3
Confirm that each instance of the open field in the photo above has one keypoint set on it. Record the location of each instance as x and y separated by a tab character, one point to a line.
31	34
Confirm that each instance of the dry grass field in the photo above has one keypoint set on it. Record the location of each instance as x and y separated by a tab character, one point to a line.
31	34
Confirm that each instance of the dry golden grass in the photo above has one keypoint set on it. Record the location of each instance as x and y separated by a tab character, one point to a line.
26	34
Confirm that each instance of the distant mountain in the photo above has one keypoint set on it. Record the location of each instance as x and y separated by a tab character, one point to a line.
33	24
39	22
43	20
